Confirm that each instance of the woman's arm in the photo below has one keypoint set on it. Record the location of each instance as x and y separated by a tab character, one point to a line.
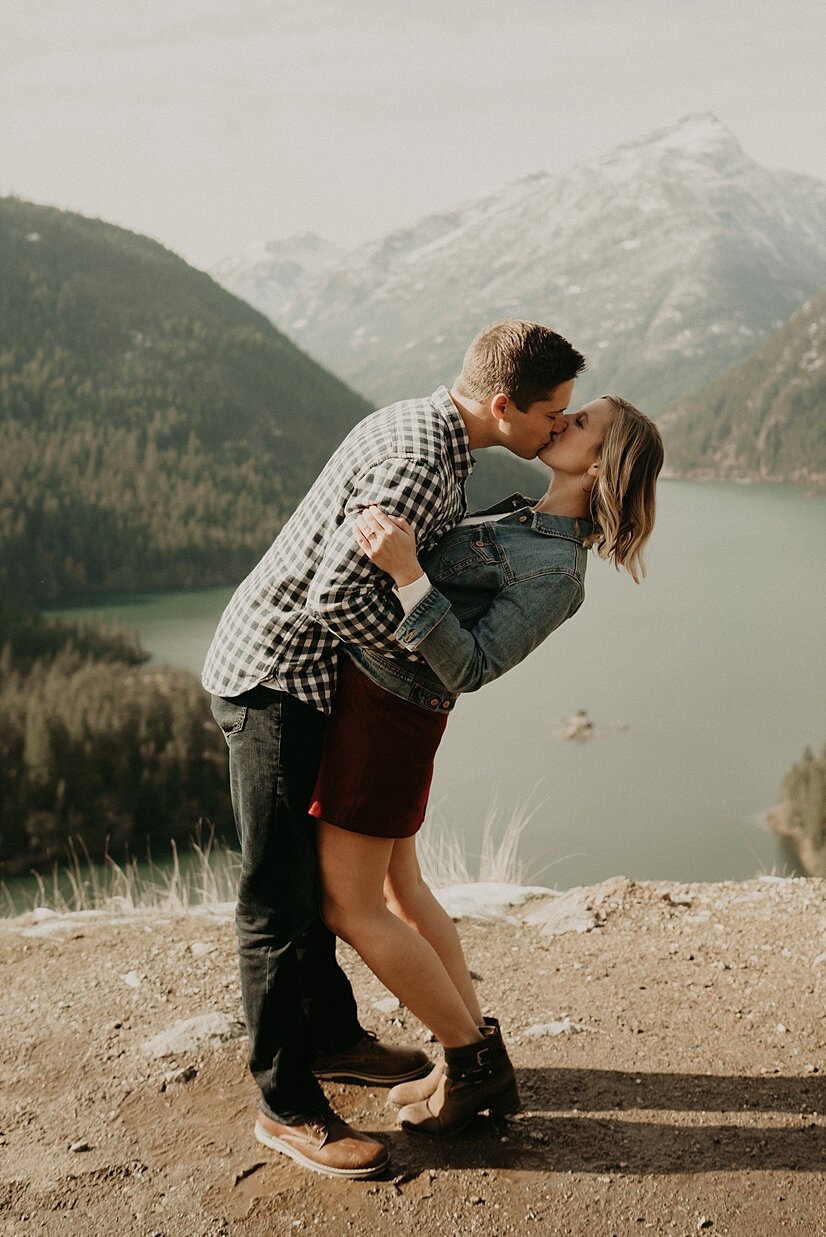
518	619
520	616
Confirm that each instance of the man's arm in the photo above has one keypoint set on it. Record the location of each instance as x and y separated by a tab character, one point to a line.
348	595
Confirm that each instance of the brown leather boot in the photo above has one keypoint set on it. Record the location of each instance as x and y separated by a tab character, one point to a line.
325	1144
370	1061
423	1088
477	1077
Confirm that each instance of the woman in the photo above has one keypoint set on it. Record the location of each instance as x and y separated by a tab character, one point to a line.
494	588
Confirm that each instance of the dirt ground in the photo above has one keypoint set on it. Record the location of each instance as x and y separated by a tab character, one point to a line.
694	1099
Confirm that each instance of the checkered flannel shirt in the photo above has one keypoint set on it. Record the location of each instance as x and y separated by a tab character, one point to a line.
314	588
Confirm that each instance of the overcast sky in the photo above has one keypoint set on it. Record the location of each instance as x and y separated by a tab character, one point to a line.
210	124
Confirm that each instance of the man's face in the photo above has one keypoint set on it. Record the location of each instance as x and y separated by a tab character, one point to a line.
526	433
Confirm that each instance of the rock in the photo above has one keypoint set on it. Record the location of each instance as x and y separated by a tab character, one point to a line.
565	1026
185	1074
79	1144
132	979
703	1223
569	912
579	909
387	1004
189	1034
200	949
676	899
41	913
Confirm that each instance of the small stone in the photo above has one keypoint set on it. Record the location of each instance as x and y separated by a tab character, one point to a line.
132	979
79	1144
704	1222
781	1029
200	949
564	1026
185	1074
387	1005
190	1034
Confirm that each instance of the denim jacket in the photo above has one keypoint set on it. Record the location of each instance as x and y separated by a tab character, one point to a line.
499	589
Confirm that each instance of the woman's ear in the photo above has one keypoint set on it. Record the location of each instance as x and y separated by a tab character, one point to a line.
589	478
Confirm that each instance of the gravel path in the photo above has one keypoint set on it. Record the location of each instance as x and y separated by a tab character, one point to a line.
669	1042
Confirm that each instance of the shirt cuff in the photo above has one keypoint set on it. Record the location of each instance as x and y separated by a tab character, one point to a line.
411	594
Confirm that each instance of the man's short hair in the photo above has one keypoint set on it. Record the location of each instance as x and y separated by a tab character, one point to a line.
524	360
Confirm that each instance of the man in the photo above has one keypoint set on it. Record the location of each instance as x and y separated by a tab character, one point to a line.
272	671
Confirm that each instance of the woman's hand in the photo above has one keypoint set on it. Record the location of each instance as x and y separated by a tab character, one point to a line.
390	543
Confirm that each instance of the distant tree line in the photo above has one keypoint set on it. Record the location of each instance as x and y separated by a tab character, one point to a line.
96	748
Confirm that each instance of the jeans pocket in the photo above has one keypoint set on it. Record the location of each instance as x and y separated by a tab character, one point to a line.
229	715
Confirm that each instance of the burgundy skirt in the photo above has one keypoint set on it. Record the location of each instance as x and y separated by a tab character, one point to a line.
377	759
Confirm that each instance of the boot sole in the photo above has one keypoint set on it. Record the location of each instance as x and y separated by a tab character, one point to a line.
378	1080
275	1144
503	1105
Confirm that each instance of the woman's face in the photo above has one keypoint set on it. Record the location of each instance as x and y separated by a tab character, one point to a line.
576	448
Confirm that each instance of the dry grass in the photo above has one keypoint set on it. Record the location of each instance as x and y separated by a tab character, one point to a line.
206	874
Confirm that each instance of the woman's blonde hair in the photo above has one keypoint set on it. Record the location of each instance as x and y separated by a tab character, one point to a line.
623	500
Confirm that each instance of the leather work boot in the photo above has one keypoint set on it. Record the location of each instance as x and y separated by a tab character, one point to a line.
413	1092
325	1145
371	1061
477	1077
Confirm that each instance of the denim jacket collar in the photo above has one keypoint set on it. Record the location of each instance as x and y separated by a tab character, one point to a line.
576	529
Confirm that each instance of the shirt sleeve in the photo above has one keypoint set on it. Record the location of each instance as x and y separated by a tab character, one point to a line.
467	658
349	595
411	594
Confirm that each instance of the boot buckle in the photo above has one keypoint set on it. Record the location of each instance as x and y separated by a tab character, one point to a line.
483	1056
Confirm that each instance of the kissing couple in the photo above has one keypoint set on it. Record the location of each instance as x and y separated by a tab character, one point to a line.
333	672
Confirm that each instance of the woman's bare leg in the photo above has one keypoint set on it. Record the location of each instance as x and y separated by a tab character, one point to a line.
408	897
353	869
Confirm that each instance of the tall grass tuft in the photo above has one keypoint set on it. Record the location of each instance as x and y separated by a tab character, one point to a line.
206	874
443	857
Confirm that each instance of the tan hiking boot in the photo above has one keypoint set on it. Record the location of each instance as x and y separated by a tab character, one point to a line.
325	1145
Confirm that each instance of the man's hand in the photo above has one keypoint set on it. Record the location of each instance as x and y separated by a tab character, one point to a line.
390	543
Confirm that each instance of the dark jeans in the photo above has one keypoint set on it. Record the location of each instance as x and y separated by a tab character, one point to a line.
297	1000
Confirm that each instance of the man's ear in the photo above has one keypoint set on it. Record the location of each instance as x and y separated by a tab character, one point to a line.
498	405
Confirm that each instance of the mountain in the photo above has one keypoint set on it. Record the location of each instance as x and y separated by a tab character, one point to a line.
665	260
157	431
765	419
268	274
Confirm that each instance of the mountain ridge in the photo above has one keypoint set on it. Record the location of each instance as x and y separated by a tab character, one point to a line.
664	260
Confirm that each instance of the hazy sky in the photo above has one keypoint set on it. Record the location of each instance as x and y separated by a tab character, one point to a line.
210	124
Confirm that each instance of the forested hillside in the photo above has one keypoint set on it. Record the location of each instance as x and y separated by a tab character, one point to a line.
96	750
156	430
766	418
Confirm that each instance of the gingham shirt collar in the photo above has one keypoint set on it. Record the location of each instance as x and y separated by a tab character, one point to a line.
459	443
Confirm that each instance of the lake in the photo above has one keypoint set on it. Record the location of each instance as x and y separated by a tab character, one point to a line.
704	684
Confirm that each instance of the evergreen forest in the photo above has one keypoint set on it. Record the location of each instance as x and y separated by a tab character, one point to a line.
96	750
156	430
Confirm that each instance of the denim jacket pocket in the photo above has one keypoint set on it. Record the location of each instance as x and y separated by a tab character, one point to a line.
231	717
463	549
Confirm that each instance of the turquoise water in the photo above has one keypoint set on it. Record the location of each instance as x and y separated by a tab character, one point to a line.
704	685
